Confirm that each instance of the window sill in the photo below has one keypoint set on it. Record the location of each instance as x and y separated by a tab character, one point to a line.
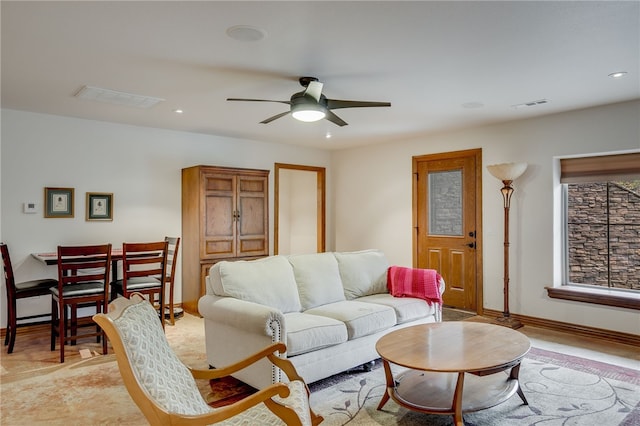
595	295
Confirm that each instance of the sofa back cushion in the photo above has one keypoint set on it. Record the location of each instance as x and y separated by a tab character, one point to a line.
318	279
363	272
268	281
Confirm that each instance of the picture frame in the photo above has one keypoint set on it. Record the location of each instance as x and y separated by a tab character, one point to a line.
99	206
58	202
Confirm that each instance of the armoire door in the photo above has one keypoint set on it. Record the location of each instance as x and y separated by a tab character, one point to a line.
218	238
252	216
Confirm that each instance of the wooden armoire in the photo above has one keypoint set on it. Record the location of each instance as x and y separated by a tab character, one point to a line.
225	216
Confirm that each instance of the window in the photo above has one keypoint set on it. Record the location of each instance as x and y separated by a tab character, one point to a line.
601	216
603	234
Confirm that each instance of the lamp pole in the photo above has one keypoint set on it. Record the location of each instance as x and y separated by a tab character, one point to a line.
506	320
507	173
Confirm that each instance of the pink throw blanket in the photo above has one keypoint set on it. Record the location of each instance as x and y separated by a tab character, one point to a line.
414	282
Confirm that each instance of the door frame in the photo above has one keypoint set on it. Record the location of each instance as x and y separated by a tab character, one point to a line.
477	154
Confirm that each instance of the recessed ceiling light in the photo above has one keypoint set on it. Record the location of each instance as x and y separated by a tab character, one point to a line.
178	111
246	33
618	74
328	135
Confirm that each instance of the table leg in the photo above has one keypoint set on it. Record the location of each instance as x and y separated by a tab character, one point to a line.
457	401
114	270
515	371
390	384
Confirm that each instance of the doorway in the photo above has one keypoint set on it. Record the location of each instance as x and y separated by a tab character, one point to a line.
447	217
299	209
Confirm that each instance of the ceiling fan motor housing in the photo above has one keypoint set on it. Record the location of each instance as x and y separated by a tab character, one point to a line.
301	98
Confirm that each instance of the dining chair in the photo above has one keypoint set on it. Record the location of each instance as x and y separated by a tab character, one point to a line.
143	269
83	280
169	278
166	391
20	290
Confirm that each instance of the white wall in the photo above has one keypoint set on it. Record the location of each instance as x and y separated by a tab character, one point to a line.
384	220
297	212
140	166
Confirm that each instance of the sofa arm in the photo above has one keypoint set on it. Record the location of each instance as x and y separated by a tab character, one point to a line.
247	316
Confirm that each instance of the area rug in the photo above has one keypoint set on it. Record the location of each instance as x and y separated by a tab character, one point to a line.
561	390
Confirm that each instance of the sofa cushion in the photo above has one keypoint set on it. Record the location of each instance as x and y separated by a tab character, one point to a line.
360	318
318	279
268	281
407	308
306	333
363	272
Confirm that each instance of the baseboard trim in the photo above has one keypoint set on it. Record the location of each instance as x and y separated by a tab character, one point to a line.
580	330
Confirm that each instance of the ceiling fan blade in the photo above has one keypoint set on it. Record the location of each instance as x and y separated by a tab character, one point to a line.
314	90
335	119
336	104
258	100
275	117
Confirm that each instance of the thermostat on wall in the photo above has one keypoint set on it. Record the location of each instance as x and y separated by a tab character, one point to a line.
29	207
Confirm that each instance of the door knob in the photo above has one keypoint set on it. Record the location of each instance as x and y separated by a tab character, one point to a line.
472	245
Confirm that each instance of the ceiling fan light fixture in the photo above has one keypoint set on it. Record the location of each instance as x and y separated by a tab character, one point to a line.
618	74
308	113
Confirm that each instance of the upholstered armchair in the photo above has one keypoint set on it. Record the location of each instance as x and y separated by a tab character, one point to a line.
165	389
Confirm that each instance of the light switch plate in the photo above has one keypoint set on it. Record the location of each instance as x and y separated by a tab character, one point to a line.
29	207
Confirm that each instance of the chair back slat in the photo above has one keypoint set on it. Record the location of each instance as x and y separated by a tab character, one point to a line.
143	259
172	254
83	263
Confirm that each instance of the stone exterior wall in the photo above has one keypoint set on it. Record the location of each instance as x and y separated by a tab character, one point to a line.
588	226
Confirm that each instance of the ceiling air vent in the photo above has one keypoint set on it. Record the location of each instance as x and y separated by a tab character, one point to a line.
117	98
530	104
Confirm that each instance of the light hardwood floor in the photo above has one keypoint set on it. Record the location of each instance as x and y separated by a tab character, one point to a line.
586	347
32	348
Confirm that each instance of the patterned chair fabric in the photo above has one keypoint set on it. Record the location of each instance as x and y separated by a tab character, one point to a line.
170	384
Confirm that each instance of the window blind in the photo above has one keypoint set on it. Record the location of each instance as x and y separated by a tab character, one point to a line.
600	168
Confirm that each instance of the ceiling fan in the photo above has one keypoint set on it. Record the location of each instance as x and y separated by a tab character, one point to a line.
311	105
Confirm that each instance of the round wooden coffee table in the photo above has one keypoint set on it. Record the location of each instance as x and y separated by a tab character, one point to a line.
452	366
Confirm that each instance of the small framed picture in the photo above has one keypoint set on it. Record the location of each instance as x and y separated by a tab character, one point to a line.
58	202
99	206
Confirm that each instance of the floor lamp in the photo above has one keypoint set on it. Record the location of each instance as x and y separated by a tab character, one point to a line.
507	173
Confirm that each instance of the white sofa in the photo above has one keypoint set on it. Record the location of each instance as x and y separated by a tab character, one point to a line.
328	308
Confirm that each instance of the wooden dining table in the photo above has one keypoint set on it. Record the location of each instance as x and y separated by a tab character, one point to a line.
51	258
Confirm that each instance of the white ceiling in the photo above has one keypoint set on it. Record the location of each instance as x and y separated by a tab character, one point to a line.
429	59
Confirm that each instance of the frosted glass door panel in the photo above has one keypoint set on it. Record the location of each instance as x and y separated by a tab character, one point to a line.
445	203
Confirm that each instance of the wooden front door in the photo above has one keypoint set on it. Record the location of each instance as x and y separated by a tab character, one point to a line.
447	208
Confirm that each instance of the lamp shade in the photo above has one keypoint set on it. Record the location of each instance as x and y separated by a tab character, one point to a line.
507	171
